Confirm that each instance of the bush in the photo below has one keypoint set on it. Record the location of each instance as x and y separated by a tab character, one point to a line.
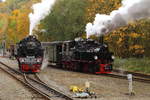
133	64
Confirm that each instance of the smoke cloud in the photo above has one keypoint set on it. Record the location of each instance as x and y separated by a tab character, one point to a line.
130	10
40	10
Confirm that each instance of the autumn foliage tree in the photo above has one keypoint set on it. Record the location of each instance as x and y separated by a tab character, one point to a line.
19	24
66	20
14	21
127	41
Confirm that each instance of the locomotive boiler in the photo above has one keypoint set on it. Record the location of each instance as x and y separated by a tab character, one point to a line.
80	55
29	54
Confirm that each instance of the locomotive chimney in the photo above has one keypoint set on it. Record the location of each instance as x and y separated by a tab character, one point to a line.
101	39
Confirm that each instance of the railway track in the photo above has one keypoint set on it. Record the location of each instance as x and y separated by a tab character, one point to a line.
133	73
37	84
139	77
136	76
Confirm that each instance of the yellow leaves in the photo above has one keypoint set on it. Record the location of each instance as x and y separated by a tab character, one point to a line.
124	28
3	23
101	0
107	38
117	4
136	47
2	4
16	12
119	41
83	36
102	7
122	35
21	27
91	0
135	35
93	37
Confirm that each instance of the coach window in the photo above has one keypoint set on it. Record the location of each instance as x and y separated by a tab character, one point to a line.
67	49
64	47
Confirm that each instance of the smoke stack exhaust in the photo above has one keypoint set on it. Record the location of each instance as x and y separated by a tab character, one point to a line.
40	11
130	10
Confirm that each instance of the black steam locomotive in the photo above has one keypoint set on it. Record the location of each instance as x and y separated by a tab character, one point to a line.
80	55
29	54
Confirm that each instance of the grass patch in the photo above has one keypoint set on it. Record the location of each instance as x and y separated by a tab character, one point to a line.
133	64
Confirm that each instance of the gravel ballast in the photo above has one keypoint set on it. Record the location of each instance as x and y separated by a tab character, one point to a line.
106	88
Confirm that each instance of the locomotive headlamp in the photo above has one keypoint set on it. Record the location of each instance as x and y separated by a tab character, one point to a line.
113	57
21	60
105	45
39	60
95	57
97	49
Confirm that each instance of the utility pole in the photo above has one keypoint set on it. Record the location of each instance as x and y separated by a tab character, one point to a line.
4	45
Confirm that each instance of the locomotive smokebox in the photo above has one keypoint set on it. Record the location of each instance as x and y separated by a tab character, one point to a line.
32	36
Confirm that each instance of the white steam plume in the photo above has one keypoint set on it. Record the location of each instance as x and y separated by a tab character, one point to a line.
40	10
2	0
44	63
130	10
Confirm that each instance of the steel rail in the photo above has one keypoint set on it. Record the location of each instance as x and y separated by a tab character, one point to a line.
27	78
124	76
38	78
55	92
12	74
133	73
41	92
52	88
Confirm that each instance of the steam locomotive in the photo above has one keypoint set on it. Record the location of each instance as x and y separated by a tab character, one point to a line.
29	54
80	55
